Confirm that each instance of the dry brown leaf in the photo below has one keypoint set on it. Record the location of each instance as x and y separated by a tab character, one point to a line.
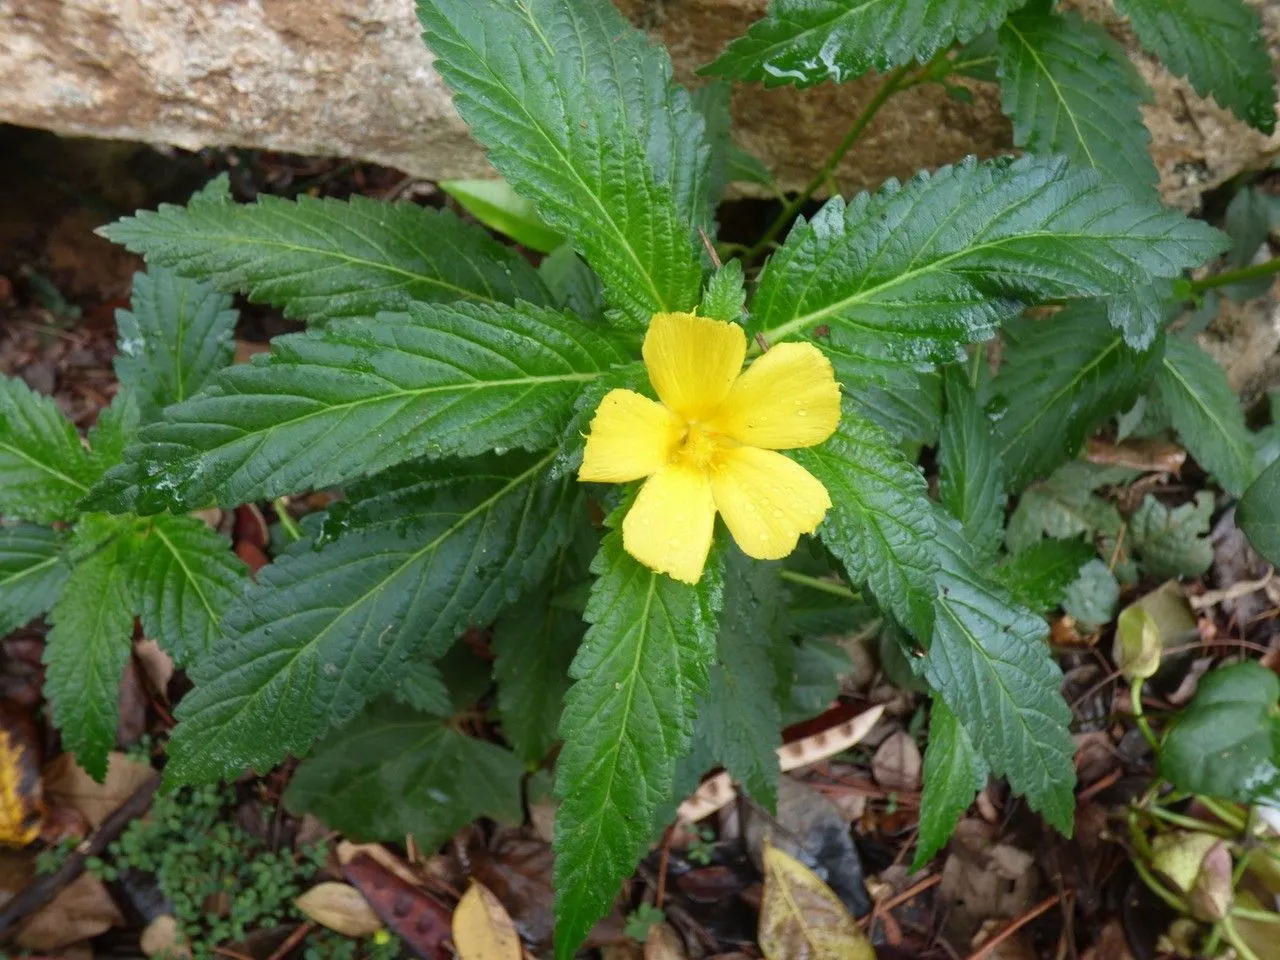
68	786
82	910
348	851
482	928
663	944
340	907
1149	456
801	919
897	763
163	938
156	664
21	804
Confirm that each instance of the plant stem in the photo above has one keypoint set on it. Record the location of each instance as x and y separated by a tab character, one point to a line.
287	523
1233	938
826	586
1135	694
1229	817
1264	269
1189	823
1257	916
1158	888
893	83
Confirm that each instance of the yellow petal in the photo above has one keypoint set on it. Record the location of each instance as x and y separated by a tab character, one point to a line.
693	361
669	527
631	437
766	500
788	398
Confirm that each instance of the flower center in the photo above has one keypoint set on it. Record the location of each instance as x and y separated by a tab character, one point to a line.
699	446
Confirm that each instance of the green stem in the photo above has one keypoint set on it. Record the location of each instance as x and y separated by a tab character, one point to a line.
1229	817
1257	916
826	586
893	83
1264	269
1159	889
1135	694
1233	938
287	523
1189	823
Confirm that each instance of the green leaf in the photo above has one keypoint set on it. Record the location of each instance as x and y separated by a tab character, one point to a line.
815	669
44	470
954	772
1065	506
422	687
354	398
991	666
726	294
185	578
1259	514
500	208
32	573
904	402
1038	576
579	114
970	482
1174	543
804	42
394	772
886	272
533	646
712	101
441	547
572	284
740	718
1226	742
1058	380
116	428
627	719
880	524
321	259
1216	44
1091	598
1206	414
89	646
177	335
1071	90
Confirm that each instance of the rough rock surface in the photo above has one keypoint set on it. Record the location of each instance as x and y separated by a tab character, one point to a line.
351	78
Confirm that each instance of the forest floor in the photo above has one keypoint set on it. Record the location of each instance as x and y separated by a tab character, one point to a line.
1007	887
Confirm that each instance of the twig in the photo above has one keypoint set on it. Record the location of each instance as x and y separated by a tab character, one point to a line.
899	899
660	894
1093	789
43	889
1042	907
711	249
228	952
293	940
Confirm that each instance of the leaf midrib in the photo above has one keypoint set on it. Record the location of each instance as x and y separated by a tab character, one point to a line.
29	571
52	471
1057	91
1223	427
181	561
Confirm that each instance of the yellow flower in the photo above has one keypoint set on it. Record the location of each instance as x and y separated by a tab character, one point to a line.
709	446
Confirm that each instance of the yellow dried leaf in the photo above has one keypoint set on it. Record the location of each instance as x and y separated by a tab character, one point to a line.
340	907
21	813
663	944
801	919
69	786
80	911
482	928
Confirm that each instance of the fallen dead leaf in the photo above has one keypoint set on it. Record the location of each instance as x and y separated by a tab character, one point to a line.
482	928
897	763
340	907
162	938
82	910
421	921
348	851
1149	456
156	665
663	944
68	786
21	792
801	918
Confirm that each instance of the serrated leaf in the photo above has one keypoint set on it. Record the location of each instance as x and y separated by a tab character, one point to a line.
572	284
905	402
1174	542
116	428
726	294
44	470
500	208
176	336
1225	742
88	647
813	671
1092	597
1206	414
627	719
740	717
1216	44
580	115
1071	90
321	259
533	646
988	661
711	101
921	268
1058	380
880	525
32	573
330	405
1065	506
394	772
970	474
185	578
954	772
440	548
1039	575
421	686
1259	514
804	42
